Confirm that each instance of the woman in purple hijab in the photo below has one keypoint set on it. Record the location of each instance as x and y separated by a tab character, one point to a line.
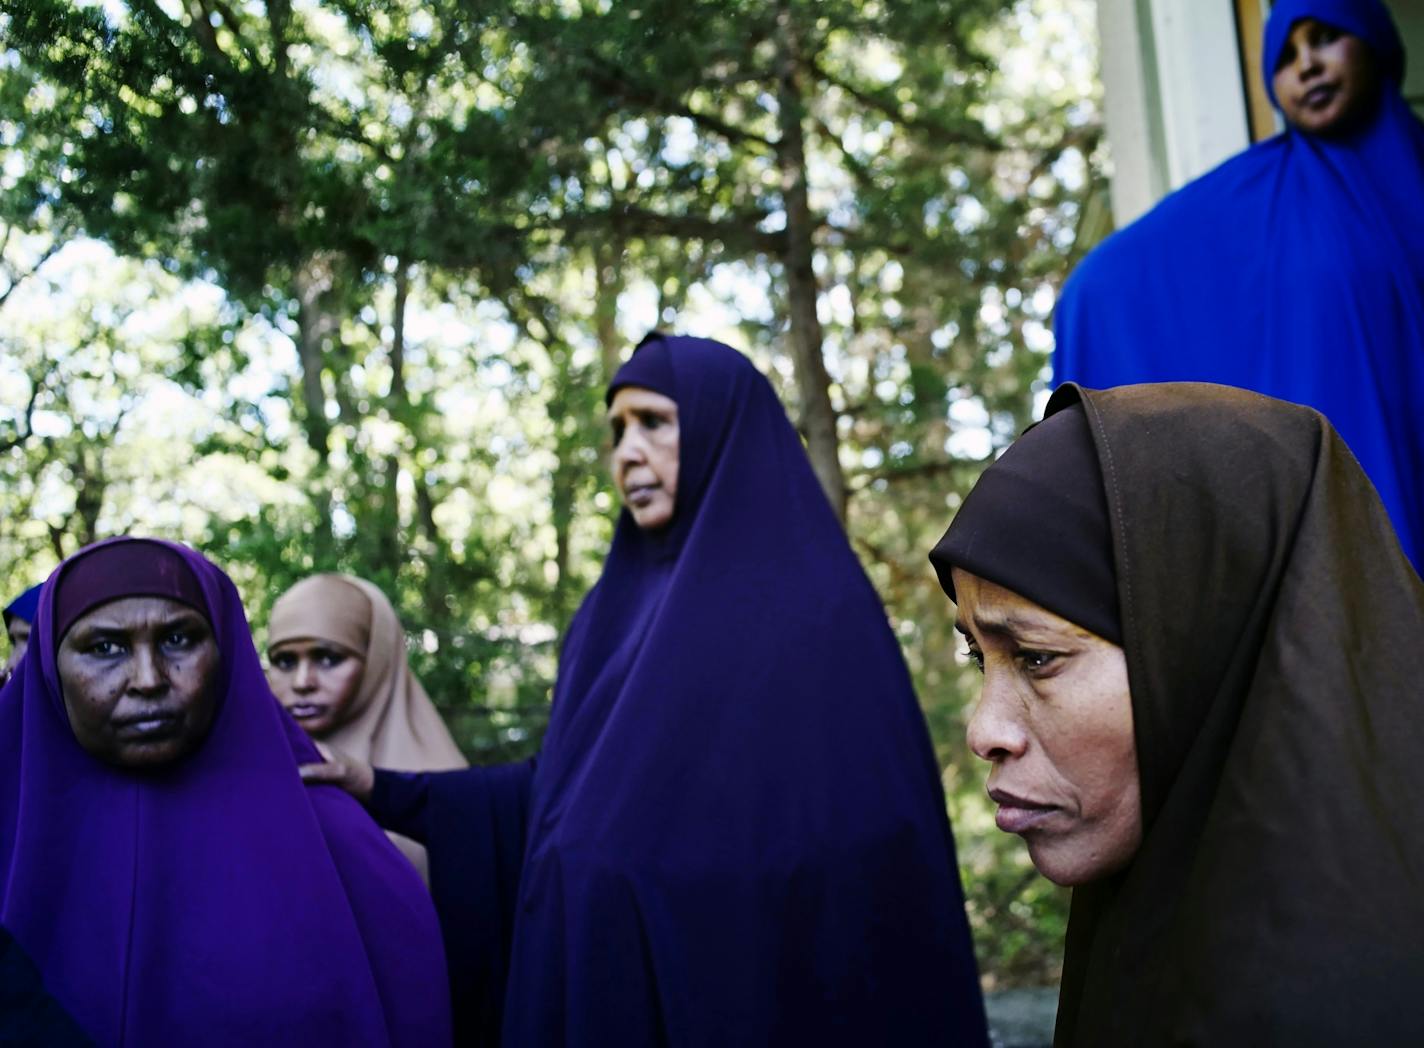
736	832
162	865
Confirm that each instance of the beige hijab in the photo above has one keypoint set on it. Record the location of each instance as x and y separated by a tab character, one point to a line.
391	722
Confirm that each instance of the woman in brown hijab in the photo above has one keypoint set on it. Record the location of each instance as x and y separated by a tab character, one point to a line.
338	664
1200	641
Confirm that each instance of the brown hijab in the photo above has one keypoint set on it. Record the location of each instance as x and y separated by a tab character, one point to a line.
391	722
1273	631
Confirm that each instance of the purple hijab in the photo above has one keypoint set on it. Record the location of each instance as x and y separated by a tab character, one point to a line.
217	902
737	833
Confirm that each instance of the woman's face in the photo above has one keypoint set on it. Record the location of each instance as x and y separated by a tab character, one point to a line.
315	680
18	631
645	454
1055	721
1325	79
138	677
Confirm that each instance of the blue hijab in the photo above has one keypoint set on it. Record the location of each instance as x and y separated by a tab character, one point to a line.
737	833
25	606
1295	269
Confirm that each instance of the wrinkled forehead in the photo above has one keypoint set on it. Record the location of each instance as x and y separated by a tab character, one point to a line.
638	398
138	614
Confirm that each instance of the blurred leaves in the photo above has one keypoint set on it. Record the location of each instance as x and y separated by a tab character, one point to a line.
337	284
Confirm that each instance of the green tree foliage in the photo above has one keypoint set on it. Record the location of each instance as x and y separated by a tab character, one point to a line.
370	262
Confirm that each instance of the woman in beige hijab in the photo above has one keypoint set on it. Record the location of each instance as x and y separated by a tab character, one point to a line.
338	664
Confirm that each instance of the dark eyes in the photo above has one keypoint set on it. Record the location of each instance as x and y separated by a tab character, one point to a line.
1033	661
108	647
1319	36
287	662
649	420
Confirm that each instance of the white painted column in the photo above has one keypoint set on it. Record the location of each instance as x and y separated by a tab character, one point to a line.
1174	102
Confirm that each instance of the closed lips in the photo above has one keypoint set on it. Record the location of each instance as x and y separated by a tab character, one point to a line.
1018	814
148	723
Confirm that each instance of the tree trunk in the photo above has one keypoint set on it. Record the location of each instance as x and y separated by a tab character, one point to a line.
608	280
313	283
398	394
818	416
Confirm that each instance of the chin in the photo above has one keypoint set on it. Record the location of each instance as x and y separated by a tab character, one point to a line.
652	518
152	758
1070	870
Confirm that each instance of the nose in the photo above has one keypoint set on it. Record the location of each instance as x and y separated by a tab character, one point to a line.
304	678
996	731
146	676
1307	61
631	450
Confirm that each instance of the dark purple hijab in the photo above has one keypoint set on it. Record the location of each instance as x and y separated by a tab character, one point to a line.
217	902
737	833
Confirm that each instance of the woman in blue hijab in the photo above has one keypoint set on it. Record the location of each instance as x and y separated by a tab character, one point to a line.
19	617
1295	268
735	833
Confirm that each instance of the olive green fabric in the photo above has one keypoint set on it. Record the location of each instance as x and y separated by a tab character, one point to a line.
1274	635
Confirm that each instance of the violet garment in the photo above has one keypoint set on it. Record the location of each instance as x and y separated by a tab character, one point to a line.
1295	269
219	902
478	817
736	831
29	1016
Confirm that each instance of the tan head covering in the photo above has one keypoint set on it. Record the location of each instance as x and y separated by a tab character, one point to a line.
391	722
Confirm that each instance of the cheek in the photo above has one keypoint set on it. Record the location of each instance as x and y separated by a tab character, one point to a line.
342	682
88	704
1091	739
666	466
197	681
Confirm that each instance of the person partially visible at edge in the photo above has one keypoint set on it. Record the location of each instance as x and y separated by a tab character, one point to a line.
336	657
165	869
19	616
1295	268
1199	639
30	1017
736	832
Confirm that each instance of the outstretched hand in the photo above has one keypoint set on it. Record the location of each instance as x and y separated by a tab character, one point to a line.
354	776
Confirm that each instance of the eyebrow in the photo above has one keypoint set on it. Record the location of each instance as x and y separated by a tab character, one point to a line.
184	618
1014	625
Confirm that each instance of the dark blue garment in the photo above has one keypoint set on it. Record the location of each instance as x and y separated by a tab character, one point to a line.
25	605
29	1016
472	824
1295	269
737	832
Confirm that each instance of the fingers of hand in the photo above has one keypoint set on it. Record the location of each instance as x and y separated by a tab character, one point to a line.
320	772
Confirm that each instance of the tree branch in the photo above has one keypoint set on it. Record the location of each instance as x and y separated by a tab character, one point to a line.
26	430
886	105
20	278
